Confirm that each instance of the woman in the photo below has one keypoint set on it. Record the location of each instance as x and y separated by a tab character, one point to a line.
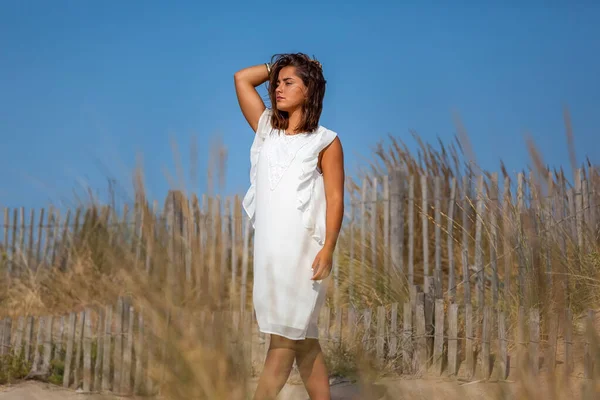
295	202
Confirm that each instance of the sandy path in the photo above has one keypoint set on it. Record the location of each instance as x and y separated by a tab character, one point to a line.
42	391
394	388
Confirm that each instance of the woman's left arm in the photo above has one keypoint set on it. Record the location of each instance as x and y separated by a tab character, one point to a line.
332	166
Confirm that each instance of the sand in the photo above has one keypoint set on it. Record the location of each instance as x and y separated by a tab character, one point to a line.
386	389
394	389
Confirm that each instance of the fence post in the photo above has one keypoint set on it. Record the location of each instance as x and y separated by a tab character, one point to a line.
87	351
118	347
438	345
549	237
568	343
469	347
375	270
506	240
502	346
39	342
520	238
29	259
128	352
226	246
453	339
438	235
236	226
69	351
245	261
351	255
396	222
465	240
17	349
366	340
407	339
479	248
5	336
493	236
28	338
97	386
6	244
421	339
13	253
588	356
425	224
78	348
485	342
429	315
393	332
534	340
381	318
139	345
552	342
21	240
411	230
108	320
521	344
47	344
450	243
363	231
579	208
338	335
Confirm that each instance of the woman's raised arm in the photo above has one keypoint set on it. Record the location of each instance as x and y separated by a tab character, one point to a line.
246	81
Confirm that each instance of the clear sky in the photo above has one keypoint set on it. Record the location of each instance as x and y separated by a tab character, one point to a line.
86	85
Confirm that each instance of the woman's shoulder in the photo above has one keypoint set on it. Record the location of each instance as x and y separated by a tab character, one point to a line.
267	113
326	135
264	123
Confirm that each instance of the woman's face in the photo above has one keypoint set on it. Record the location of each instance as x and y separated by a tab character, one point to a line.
291	91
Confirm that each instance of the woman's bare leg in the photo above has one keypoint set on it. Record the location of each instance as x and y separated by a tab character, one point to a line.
313	371
277	369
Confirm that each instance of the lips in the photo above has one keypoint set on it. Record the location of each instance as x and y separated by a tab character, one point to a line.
280	98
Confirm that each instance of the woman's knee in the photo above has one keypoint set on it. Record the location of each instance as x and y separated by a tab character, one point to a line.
280	342
308	346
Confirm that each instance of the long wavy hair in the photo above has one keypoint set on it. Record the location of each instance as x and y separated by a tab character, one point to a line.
311	73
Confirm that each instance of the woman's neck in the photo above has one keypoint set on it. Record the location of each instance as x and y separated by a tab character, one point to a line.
295	117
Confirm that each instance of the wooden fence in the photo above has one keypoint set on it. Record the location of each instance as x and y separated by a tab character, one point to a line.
455	269
469	230
112	349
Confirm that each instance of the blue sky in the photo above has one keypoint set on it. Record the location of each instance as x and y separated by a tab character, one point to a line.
85	86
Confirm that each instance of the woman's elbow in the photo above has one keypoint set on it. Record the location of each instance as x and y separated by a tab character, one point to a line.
238	76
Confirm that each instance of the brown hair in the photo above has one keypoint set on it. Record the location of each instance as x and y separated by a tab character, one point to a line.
311	73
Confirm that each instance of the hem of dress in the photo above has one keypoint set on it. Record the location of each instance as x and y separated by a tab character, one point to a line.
248	214
286	336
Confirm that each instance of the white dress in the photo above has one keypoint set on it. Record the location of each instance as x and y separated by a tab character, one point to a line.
286	204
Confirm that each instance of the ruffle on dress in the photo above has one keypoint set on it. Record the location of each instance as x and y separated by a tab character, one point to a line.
311	191
249	202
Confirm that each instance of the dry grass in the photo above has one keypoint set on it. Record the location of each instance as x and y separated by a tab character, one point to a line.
207	361
546	247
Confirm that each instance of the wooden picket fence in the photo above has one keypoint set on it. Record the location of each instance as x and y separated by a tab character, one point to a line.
465	233
463	260
111	349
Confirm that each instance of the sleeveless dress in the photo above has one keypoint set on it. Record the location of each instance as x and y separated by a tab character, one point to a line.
286	205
